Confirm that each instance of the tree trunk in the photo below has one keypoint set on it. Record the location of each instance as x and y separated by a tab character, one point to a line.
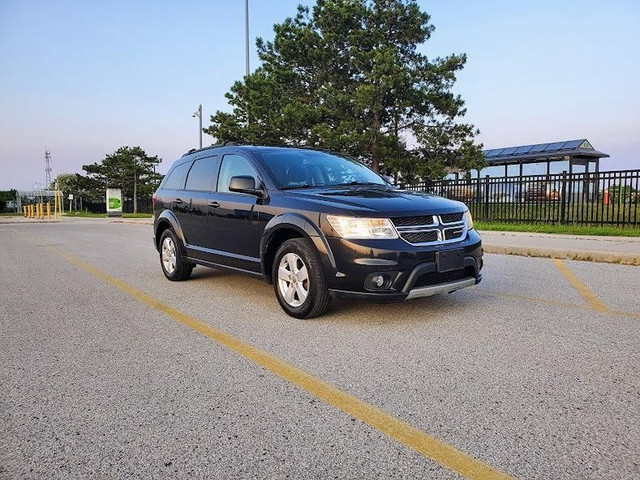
375	163
135	192
375	158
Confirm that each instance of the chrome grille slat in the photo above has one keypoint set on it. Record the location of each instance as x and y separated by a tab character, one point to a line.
431	229
413	221
451	217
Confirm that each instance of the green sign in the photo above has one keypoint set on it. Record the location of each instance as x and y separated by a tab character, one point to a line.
114	203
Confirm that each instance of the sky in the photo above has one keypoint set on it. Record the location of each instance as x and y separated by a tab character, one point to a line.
82	79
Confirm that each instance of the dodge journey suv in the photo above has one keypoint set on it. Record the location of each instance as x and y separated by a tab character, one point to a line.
314	224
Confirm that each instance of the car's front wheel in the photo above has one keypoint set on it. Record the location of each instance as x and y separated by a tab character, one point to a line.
299	281
174	265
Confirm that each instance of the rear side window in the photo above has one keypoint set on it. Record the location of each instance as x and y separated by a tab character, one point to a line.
233	166
175	178
202	174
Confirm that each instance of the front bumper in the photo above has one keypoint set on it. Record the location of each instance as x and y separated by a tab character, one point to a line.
413	270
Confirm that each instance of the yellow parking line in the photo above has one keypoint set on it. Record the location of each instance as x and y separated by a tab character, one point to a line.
582	289
391	426
525	298
544	301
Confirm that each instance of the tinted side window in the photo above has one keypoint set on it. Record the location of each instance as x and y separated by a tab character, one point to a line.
202	174
175	179
233	166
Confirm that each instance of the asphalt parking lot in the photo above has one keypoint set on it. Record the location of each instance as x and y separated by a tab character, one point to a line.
110	371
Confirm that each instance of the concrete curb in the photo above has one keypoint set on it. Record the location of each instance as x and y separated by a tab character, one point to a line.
568	254
134	221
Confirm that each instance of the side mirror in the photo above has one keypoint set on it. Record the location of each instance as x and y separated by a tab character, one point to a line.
245	184
388	179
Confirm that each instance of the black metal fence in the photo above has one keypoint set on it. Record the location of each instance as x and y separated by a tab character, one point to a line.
601	198
144	205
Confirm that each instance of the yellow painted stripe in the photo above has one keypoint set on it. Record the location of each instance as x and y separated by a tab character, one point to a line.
395	428
526	298
582	289
544	301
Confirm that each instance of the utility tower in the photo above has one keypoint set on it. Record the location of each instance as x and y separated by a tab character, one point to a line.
47	169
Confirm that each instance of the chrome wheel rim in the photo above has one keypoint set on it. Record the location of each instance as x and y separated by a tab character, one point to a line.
293	280
169	255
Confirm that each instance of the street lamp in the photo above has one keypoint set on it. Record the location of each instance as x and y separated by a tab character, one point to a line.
198	113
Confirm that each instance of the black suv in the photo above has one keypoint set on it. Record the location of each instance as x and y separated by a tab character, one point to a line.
312	223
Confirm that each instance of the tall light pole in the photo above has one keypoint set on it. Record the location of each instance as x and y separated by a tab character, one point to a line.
246	31
198	113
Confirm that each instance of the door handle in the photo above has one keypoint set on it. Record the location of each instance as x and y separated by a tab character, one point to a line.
178	200
214	204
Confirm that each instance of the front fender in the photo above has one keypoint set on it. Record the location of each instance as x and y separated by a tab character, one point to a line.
167	217
302	225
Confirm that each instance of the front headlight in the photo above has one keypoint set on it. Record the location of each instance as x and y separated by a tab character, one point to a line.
468	219
362	228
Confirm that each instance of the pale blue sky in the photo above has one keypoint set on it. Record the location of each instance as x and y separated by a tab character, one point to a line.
84	78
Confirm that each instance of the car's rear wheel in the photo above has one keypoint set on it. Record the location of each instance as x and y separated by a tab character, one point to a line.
172	260
298	280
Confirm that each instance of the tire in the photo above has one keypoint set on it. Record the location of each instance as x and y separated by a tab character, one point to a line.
172	259
298	280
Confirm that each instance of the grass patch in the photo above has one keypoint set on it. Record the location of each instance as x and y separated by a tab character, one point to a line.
82	214
563	229
11	214
104	215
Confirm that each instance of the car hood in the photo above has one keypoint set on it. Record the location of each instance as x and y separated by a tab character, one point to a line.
378	201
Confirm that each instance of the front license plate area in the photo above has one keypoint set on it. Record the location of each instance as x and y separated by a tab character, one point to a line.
449	260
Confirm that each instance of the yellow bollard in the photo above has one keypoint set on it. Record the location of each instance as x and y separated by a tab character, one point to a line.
24	211
42	211
30	211
48	211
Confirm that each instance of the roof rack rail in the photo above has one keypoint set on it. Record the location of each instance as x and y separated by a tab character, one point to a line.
226	143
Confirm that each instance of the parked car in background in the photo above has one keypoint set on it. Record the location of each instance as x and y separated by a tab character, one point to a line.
541	191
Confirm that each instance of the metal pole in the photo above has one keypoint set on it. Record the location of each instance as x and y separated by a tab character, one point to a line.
200	118
246	29
198	113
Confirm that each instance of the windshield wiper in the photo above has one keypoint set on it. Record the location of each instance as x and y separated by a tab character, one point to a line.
358	183
293	187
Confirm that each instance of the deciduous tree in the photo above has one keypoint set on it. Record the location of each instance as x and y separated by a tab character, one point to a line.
129	168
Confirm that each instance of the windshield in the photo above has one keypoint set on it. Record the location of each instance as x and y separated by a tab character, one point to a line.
309	168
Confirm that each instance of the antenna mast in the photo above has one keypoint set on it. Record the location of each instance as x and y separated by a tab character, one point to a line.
47	168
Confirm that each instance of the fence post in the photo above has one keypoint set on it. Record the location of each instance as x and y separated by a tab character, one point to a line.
563	197
486	198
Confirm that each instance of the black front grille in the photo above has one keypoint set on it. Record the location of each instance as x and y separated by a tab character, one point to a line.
452	233
420	237
451	217
435	278
412	221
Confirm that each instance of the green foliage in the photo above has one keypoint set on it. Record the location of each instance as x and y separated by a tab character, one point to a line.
599	230
129	168
347	76
6	196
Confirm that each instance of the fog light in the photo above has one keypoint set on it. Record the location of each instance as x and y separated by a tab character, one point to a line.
378	281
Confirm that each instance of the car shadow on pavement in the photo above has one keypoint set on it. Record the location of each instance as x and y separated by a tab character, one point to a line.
429	309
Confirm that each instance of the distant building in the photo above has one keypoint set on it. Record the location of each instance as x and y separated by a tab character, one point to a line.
572	156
